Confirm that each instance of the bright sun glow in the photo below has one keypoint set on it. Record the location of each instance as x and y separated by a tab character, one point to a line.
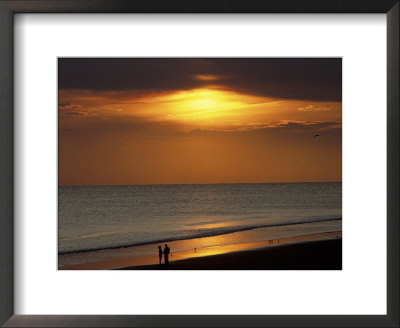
211	108
208	106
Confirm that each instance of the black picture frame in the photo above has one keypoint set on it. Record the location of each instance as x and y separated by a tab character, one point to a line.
10	7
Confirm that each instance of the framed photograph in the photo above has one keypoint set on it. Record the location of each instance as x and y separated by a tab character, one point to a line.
199	164
212	155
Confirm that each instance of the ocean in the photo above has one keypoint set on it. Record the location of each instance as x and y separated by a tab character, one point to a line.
99	218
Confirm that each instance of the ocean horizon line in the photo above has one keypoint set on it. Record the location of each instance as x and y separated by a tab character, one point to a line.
193	184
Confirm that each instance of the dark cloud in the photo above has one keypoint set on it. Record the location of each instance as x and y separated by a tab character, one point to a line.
302	126
67	106
317	79
275	128
137	127
74	113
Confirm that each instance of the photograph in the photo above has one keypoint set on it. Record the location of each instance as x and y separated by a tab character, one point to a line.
199	163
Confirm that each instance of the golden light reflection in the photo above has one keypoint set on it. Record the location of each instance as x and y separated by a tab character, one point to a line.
201	250
211	225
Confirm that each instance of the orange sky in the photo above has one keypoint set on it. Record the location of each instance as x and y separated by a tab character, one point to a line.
213	132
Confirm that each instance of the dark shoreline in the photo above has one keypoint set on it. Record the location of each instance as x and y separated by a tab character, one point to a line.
313	255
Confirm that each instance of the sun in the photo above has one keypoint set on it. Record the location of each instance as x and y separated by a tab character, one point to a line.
206	100
205	105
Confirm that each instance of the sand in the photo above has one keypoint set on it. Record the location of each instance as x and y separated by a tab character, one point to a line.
312	255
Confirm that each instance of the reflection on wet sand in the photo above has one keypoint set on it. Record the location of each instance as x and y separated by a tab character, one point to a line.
201	251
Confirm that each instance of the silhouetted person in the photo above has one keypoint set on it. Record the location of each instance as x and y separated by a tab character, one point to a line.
166	254
160	253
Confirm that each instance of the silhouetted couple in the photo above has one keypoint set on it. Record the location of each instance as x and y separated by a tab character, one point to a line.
165	252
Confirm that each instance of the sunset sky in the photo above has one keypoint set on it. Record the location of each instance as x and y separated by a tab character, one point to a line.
173	121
